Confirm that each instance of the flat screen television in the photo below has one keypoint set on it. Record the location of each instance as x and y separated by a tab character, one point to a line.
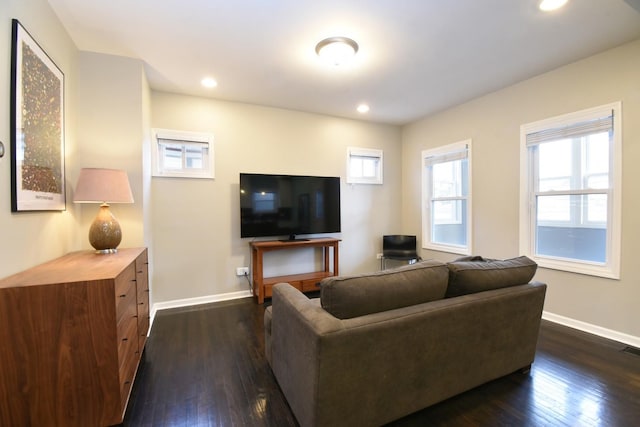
288	205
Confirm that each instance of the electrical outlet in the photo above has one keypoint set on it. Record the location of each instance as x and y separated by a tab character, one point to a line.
378	256
242	271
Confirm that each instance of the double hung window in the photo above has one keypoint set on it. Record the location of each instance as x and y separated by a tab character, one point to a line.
446	195
570	200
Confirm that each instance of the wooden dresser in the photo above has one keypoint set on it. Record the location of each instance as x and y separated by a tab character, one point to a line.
72	332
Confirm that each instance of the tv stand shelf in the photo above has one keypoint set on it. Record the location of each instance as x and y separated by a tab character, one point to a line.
306	282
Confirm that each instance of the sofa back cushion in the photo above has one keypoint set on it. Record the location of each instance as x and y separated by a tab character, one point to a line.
476	274
352	296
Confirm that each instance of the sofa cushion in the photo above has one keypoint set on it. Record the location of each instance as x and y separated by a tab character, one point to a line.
475	274
352	296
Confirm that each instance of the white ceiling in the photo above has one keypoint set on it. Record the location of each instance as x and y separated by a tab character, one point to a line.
416	56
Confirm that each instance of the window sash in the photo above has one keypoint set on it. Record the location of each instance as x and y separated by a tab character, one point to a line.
453	186
187	151
364	166
577	183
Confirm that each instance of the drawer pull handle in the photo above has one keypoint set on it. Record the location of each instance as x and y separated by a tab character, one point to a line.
123	296
125	339
141	303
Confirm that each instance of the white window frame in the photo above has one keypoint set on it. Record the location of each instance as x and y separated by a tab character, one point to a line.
186	139
444	151
355	153
611	267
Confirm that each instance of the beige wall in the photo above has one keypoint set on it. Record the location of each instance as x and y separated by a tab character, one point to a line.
196	223
192	227
34	237
106	122
493	123
111	114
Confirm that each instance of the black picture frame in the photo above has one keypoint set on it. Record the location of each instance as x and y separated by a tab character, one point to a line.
37	127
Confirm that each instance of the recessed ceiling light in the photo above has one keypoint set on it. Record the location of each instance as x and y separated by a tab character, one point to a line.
549	5
337	50
363	108
208	82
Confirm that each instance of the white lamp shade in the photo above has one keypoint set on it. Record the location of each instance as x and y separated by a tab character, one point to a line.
103	186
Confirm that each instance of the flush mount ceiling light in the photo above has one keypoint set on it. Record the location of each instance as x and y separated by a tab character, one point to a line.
337	50
549	5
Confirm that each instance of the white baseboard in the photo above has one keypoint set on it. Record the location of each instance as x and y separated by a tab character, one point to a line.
555	318
592	329
187	302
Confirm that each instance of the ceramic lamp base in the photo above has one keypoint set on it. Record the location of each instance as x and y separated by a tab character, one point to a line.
105	234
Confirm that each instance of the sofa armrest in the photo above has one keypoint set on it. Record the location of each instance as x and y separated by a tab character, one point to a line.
298	324
268	316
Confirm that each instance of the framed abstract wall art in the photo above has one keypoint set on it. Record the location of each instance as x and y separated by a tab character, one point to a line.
37	127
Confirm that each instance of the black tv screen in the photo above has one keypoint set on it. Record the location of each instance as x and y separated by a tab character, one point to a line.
288	205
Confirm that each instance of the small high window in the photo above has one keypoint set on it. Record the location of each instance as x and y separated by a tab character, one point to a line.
364	166
182	154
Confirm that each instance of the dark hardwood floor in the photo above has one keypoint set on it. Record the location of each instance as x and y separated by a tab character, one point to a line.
205	366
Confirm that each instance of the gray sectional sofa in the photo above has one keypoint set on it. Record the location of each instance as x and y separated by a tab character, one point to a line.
376	347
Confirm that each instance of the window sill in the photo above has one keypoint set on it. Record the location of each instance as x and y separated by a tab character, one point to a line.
458	250
606	272
183	175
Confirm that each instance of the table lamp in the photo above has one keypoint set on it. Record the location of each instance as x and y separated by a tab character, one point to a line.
103	186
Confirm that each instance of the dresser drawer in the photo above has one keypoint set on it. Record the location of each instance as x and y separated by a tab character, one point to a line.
143	315
143	329
143	322
142	299
125	283
127	375
142	285
142	272
127	339
126	305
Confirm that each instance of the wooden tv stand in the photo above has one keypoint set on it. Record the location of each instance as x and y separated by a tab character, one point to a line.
306	282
